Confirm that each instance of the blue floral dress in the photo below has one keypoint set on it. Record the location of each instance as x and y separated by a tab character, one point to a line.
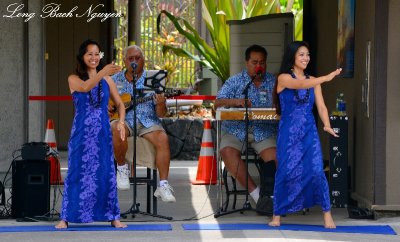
300	181
90	192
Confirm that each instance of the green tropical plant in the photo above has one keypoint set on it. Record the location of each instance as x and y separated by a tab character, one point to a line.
296	7
215	13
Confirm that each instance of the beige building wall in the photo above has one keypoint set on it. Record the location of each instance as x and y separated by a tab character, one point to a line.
21	75
393	108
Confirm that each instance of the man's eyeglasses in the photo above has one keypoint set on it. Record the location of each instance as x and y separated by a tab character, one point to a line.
134	58
254	62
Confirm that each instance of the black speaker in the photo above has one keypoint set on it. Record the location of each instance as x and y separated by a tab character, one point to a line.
338	174
30	188
34	151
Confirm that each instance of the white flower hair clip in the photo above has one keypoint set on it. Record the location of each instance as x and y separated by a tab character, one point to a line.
101	54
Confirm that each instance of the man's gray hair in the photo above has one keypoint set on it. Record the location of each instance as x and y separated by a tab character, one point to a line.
132	47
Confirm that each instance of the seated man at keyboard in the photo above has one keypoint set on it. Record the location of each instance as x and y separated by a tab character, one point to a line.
261	134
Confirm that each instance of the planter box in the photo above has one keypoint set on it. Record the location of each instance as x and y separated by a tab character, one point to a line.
185	137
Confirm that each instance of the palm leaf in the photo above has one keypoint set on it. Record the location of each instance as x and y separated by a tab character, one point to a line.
298	35
212	59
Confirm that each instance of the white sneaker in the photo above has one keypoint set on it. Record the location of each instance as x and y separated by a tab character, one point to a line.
123	177
165	193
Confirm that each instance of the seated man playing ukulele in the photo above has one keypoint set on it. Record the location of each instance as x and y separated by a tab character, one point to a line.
147	124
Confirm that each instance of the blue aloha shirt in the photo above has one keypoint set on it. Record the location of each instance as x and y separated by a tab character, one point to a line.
261	97
146	111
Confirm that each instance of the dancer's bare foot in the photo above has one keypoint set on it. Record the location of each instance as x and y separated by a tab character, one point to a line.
276	221
62	225
328	220
118	224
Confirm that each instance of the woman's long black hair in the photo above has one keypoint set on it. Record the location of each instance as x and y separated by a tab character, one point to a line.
286	67
81	68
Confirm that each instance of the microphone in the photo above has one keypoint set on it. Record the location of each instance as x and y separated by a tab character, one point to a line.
259	70
259	73
134	65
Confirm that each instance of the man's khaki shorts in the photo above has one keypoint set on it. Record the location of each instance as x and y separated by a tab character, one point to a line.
141	130
228	140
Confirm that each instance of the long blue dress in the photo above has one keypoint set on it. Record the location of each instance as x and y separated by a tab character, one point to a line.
90	192
300	181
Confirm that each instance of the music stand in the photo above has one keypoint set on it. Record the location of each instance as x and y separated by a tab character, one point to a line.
134	209
246	204
156	80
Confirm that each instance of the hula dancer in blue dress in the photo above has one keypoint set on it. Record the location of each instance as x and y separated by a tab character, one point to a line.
300	181
90	190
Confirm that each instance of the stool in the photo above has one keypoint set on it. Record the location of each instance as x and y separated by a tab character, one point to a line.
145	156
252	158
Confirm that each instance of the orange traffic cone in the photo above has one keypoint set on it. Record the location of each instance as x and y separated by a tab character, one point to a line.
50	139
207	167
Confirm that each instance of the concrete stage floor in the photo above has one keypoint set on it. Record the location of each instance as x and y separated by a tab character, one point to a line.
197	204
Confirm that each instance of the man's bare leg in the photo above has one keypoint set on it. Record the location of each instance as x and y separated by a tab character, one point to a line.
237	167
268	154
120	149
160	141
120	146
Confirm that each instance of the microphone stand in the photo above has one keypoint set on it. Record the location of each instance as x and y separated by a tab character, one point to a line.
134	209
246	204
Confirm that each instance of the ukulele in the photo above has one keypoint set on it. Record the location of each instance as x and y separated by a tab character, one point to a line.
127	100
